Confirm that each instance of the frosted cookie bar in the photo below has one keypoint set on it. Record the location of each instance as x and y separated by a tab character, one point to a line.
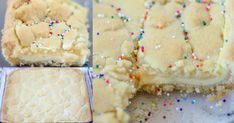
112	49
182	45
50	32
46	95
186	47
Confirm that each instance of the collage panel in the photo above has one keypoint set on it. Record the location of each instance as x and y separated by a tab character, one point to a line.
46	33
45	95
116	61
45	60
163	61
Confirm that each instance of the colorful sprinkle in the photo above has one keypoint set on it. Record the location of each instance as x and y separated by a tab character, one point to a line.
178	13
223	12
181	109
193	101
139	37
185	32
107	81
123	17
222	3
145	17
208	7
224	100
149	113
142	49
186	37
100	75
182	24
194	57
204	23
131	76
51	24
184	6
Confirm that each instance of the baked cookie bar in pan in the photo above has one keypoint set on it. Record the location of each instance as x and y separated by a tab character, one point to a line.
46	95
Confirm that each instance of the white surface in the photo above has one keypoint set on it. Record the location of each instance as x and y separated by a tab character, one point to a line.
202	111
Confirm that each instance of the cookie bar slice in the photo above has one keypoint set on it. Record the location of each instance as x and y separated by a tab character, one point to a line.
50	32
112	47
46	95
184	47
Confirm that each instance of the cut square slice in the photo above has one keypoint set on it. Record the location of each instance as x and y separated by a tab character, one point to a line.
184	47
46	95
112	49
50	32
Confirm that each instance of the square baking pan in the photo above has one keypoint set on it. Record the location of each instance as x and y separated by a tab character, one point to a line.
5	72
